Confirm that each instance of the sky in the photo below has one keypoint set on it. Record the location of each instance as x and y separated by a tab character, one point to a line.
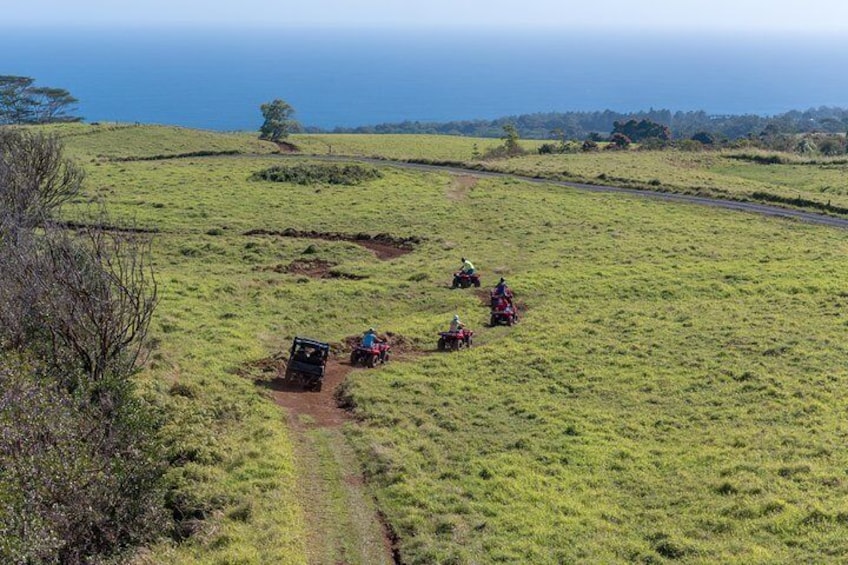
795	17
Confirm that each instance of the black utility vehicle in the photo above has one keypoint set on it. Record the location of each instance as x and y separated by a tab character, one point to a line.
307	361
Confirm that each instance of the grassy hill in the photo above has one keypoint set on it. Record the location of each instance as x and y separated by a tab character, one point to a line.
672	393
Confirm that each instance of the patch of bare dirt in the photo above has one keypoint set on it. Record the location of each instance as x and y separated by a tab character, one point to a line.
315	268
321	407
460	186
384	246
286	147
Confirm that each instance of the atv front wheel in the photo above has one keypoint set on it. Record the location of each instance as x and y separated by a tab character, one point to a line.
441	344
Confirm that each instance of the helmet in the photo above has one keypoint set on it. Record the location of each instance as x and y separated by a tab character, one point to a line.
502	280
456	317
463	259
370	330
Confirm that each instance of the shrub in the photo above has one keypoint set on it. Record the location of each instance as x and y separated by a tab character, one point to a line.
80	470
690	145
590	145
652	144
832	146
319	173
704	138
619	141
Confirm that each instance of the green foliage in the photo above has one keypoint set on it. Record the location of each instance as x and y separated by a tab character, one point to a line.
589	145
619	141
278	123
80	470
704	137
638	131
582	125
510	147
832	146
319	173
23	103
77	482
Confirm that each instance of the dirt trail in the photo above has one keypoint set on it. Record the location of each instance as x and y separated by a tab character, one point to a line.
320	407
344	526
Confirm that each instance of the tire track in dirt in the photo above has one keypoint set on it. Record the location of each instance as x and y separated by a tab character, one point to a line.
344	525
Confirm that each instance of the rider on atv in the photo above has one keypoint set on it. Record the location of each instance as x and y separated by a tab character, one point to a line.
455	324
501	289
369	338
467	268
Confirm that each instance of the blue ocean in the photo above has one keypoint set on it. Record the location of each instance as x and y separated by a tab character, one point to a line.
217	79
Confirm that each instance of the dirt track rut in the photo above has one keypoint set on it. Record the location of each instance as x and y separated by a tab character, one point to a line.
343	524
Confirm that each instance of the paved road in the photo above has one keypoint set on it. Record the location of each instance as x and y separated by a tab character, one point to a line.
763	209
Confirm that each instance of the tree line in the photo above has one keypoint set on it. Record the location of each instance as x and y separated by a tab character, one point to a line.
21	102
591	125
80	468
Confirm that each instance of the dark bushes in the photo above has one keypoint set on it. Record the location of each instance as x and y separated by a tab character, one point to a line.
319	173
79	466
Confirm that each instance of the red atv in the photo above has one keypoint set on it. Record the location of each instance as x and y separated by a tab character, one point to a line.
503	313
455	340
464	280
370	356
495	297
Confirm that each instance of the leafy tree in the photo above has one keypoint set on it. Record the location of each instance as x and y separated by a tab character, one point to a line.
278	122
23	103
510	138
510	147
15	104
52	105
644	129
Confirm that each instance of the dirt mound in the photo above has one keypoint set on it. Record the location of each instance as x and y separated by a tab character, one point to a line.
286	147
385	246
316	268
263	368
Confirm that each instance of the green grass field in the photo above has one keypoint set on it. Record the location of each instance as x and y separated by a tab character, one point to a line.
672	393
718	174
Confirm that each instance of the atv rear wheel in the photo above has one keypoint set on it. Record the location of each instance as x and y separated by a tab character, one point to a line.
493	321
477	283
